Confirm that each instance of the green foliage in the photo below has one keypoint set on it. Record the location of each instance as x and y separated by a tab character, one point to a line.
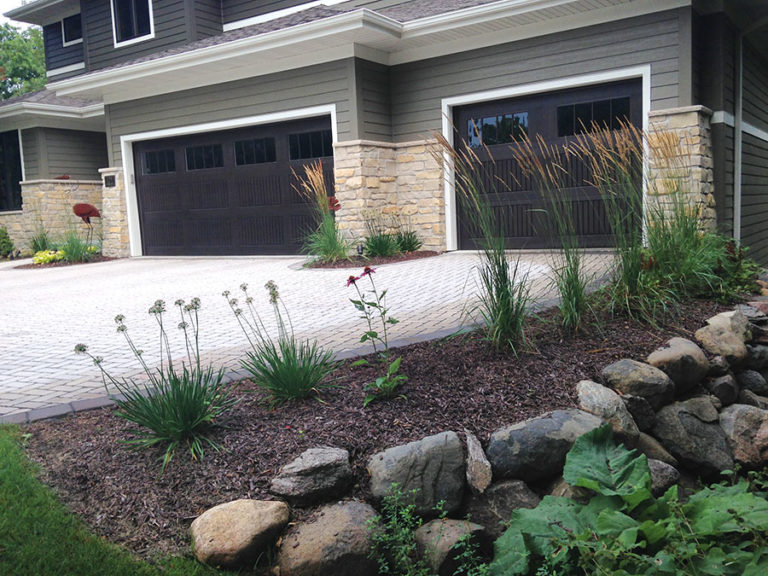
372	307
174	408
379	239
39	536
286	368
407	240
22	59
48	256
392	536
6	244
40	241
624	530
75	249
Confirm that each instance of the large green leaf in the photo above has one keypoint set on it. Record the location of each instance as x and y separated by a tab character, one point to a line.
722	509
595	462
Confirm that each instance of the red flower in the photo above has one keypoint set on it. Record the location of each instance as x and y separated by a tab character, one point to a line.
367	271
333	204
352	279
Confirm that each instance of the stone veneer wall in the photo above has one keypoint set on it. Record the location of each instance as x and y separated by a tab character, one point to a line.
114	215
692	169
380	179
47	205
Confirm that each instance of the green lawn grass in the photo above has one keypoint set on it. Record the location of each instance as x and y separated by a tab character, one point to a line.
39	537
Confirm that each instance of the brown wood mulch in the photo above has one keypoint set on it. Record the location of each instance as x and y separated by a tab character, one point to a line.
61	263
453	383
360	261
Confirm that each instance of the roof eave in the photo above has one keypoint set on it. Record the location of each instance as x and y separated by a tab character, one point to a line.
42	12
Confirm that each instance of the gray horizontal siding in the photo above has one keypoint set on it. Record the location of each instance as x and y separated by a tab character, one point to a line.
313	86
234	10
30	144
170	30
417	88
374	101
56	54
207	18
754	197
755	88
79	154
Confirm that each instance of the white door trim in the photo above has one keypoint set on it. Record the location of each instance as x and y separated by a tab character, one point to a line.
448	104
127	141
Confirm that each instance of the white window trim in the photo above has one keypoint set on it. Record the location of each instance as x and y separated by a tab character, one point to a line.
63	37
21	157
138	39
261	18
127	141
448	104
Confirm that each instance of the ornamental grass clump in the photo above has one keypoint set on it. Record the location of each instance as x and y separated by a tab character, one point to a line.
174	407
286	368
505	295
326	242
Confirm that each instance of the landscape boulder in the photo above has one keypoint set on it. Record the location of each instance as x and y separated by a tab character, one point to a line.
606	404
535	449
479	474
718	366
724	388
721	341
317	474
434	467
663	476
757	357
683	361
435	543
653	449
493	508
639	379
754	381
336	540
746	428
691	432
232	535
735	321
641	411
751	399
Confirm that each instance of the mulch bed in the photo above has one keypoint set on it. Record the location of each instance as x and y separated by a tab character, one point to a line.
456	383
61	263
360	261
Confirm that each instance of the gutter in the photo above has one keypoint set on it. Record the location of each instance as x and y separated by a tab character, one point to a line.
90	111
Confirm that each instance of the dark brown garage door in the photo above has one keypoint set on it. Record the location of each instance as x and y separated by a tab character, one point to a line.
232	192
490	130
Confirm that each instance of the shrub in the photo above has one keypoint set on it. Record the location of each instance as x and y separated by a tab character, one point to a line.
75	249
407	239
48	256
41	242
380	239
623	529
173	407
286	368
6	244
325	241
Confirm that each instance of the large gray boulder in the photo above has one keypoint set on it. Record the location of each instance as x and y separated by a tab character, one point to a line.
754	381
434	467
336	540
724	388
317	474
435	543
606	404
232	535
663	476
641	411
721	341
746	428
735	321
683	361
479	473
653	449
751	399
691	432
757	357
639	379
535	449
493	508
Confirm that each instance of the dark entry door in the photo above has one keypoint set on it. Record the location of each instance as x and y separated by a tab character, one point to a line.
490	131
230	192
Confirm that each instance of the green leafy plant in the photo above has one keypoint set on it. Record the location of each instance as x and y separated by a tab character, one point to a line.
625	530
6	244
372	307
393	544
76	249
174	407
381	238
40	241
48	256
326	241
407	238
505	295
287	368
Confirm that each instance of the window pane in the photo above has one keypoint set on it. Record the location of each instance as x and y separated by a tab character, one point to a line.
159	162
315	144
619	112
10	171
202	157
520	126
254	151
565	121
583	119
474	134
602	114
73	28
131	19
142	17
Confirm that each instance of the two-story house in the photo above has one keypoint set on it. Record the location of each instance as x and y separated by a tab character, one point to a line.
186	121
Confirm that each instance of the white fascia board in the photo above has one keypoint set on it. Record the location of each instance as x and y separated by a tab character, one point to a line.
279	14
42	12
52	110
65	69
351	21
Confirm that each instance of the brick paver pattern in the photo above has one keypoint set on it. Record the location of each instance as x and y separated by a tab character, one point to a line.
45	312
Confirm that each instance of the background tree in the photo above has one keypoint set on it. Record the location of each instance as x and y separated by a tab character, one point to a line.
22	61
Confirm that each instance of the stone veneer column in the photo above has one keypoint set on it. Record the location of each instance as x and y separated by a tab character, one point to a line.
384	179
114	213
47	205
691	171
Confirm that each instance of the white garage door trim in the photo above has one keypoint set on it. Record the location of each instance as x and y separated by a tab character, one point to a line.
126	148
448	104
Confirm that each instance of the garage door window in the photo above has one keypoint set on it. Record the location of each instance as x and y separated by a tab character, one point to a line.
578	118
258	151
159	162
315	144
204	157
492	130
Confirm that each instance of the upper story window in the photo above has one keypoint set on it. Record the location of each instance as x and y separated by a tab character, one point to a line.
132	21
72	30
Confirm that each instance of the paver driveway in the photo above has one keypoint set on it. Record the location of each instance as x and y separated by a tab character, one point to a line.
45	312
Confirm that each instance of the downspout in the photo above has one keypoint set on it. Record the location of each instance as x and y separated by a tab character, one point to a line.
737	137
